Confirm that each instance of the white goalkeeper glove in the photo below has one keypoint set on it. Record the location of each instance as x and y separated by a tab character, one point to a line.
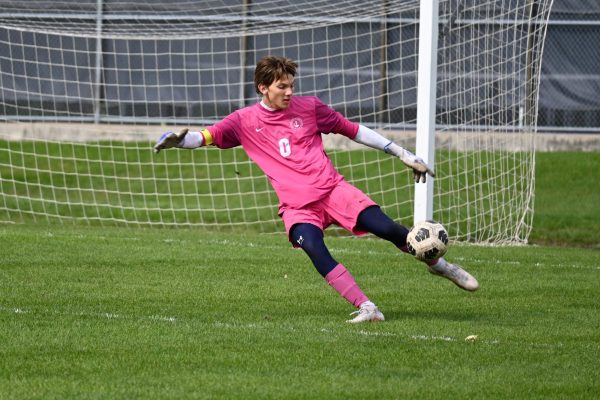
170	139
370	138
419	167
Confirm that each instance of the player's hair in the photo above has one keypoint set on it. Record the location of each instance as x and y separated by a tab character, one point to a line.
271	68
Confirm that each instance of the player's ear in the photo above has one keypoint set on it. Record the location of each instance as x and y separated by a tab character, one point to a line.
263	88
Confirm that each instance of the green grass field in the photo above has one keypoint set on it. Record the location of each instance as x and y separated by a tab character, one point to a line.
567	199
117	313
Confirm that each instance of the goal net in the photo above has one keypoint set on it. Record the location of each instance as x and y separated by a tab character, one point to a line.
87	86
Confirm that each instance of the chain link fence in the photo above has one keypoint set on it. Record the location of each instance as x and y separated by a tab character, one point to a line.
569	91
570	79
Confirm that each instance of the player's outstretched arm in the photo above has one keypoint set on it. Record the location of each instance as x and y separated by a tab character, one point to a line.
170	139
184	139
370	138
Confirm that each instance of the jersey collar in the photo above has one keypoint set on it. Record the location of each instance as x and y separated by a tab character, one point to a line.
266	107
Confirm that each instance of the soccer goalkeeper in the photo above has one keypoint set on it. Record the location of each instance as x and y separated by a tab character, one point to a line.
282	135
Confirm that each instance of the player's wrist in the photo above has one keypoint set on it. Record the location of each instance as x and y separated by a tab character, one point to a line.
191	141
398	151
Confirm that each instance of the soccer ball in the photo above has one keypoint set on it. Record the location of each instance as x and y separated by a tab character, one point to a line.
427	240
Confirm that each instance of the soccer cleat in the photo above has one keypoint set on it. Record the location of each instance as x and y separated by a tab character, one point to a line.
367	313
456	274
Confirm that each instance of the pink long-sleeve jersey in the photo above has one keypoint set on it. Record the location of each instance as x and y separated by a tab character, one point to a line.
287	146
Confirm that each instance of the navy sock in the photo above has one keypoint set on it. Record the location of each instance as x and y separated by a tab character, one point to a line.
373	220
310	239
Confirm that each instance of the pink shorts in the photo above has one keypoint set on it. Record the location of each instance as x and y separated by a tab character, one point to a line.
341	207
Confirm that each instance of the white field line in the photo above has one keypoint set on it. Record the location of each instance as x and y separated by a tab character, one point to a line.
351	250
102	315
354	251
260	326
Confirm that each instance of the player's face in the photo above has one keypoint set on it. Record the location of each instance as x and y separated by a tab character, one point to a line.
279	93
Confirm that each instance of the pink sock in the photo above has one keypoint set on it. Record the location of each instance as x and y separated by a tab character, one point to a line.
342	281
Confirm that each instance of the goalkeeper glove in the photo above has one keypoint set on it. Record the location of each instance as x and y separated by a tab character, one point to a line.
419	167
170	139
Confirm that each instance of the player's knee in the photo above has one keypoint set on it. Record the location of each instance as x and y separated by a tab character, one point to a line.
308	237
312	246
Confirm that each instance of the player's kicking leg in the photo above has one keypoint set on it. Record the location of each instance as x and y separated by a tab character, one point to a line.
454	273
374	220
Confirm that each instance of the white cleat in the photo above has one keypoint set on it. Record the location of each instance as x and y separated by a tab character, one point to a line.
456	274
367	313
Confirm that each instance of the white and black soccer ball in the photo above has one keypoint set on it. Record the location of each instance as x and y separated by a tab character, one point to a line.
427	240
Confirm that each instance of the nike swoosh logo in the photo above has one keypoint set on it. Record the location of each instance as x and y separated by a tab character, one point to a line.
259	129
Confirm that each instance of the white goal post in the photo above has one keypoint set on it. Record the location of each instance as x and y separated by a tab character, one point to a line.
86	87
426	104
